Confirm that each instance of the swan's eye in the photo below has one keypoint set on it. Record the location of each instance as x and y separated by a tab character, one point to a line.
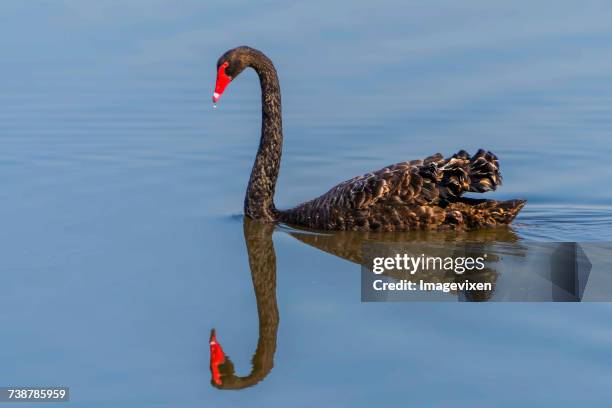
222	67
229	71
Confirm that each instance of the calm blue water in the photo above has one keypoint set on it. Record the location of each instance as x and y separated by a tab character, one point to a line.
121	192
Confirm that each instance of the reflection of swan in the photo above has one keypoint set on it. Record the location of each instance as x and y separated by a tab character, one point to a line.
346	245
262	261
418	194
349	245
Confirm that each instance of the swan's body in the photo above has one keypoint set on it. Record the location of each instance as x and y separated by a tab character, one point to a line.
420	194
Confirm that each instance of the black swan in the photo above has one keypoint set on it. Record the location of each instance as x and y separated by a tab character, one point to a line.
418	194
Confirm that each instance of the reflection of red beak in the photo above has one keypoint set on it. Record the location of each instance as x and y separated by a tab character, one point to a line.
222	81
217	357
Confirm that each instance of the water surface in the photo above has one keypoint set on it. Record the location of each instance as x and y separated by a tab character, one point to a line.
121	193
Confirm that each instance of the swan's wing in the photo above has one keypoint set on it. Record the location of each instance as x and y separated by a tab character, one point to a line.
418	182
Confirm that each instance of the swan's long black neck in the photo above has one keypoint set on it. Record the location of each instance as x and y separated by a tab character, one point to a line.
259	200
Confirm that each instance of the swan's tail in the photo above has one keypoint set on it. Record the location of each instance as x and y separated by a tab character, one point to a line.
462	173
483	171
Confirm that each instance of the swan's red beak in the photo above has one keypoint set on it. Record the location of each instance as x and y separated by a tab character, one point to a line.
222	81
217	357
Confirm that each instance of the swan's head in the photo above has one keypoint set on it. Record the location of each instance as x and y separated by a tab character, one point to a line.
230	65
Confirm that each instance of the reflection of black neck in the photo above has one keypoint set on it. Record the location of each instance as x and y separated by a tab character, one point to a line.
262	261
